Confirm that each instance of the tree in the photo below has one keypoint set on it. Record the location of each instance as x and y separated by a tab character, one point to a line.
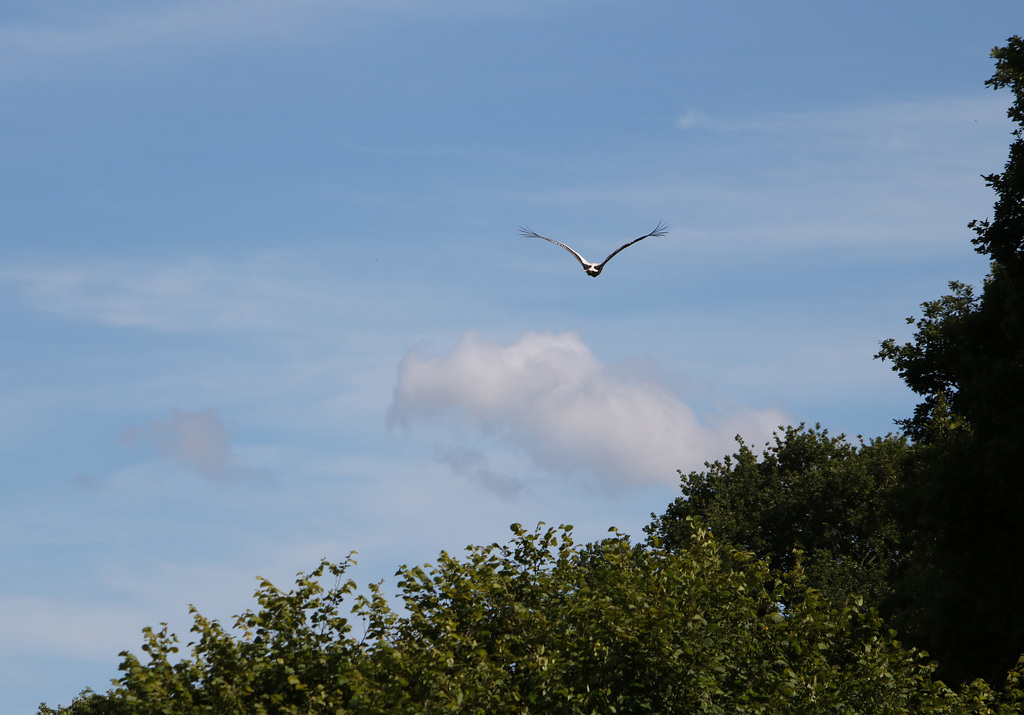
809	493
964	502
540	625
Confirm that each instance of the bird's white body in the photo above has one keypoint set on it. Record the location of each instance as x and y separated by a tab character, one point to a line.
594	269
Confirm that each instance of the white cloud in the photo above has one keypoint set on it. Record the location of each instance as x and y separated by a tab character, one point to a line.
196	440
555	402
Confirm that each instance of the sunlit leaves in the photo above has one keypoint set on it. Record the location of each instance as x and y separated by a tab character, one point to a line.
542	625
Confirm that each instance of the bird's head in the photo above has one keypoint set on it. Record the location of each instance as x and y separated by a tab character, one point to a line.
593	270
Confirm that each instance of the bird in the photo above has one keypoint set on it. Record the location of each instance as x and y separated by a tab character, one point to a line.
594	269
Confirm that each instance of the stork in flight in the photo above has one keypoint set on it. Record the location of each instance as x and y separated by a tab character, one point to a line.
594	269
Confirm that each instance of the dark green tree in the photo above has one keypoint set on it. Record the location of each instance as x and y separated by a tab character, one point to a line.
963	507
540	625
808	492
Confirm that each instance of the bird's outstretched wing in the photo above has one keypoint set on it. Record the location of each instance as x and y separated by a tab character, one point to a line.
525	231
661	230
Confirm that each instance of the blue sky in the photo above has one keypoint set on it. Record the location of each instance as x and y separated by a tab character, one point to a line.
264	298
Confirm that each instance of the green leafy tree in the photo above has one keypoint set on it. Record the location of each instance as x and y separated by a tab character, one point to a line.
809	493
540	625
963	586
293	655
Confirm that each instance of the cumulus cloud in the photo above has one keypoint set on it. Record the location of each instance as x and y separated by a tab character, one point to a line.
549	397
197	441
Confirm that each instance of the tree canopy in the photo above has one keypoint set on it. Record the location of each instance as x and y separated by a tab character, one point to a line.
963	508
541	625
929	527
809	493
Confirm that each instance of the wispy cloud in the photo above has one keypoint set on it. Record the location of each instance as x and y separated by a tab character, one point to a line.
96	29
892	175
186	296
198	441
81	31
902	120
692	118
549	397
473	464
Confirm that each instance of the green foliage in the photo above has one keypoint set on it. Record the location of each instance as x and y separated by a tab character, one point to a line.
961	587
540	625
809	493
290	656
1003	237
928	364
